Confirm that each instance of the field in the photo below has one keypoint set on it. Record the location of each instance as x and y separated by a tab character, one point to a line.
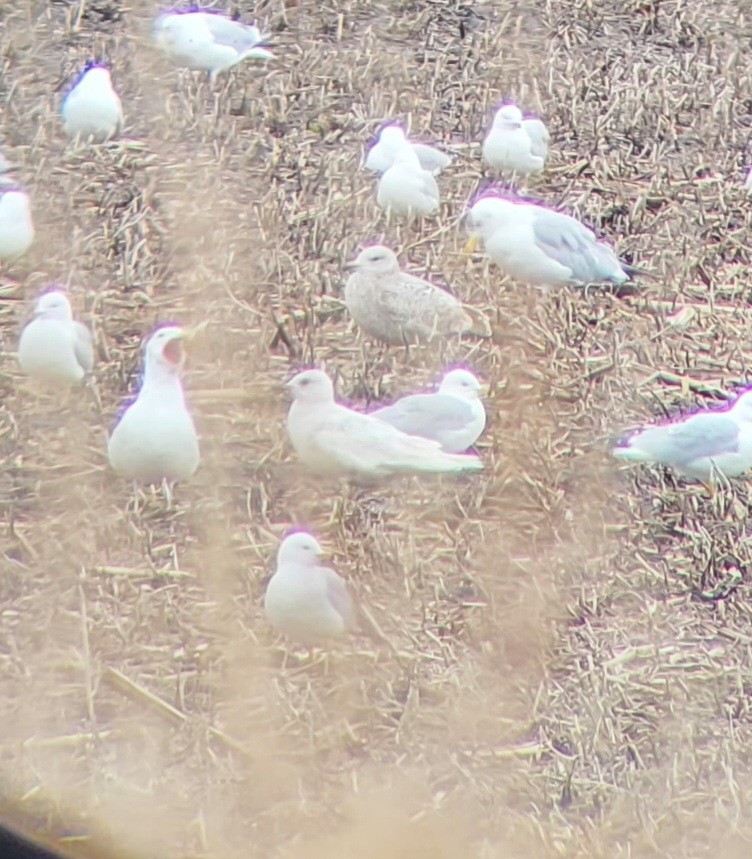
563	660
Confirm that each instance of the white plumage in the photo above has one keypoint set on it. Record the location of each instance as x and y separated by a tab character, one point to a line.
406	188
54	348
541	247
92	109
207	40
334	440
516	145
156	439
454	415
304	601
391	139
16	226
696	447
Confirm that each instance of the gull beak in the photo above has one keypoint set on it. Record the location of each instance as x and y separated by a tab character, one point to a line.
471	244
485	389
191	332
352	264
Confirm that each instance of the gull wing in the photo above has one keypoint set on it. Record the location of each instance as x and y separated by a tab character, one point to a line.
427	414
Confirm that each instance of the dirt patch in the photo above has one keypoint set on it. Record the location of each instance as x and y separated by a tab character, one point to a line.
568	668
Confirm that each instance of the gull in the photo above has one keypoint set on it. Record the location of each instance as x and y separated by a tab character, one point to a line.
155	440
305	601
92	109
16	227
516	145
54	348
541	247
406	188
208	40
454	415
396	307
391	139
700	446
334	440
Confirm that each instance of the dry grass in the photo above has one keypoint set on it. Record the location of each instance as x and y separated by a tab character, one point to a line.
569	647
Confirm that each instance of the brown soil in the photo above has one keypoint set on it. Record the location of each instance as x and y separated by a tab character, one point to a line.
566	662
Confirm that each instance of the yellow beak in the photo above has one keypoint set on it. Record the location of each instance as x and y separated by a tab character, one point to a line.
190	332
471	244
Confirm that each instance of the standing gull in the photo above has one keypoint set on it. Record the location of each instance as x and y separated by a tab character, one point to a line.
16	227
305	601
515	145
155	440
92	109
391	139
704	444
54	348
406	188
454	415
541	247
334	440
397	307
208	40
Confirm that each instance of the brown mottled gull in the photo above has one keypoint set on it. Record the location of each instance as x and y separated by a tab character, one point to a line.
396	307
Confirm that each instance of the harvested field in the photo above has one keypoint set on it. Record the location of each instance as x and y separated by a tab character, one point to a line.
565	662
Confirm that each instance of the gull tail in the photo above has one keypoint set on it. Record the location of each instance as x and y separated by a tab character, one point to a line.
436	461
626	450
257	53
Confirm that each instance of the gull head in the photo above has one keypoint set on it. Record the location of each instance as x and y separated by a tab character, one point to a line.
53	305
299	548
742	406
508	116
392	136
166	21
164	348
15	202
461	383
96	75
168	27
376	259
489	214
312	386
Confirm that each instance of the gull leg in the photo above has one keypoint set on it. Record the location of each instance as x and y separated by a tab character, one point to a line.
167	489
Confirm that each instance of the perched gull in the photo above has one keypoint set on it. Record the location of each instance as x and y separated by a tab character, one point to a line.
541	247
332	439
92	109
396	307
304	601
208	40
514	144
53	346
16	227
155	440
704	444
406	188
454	415
391	139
